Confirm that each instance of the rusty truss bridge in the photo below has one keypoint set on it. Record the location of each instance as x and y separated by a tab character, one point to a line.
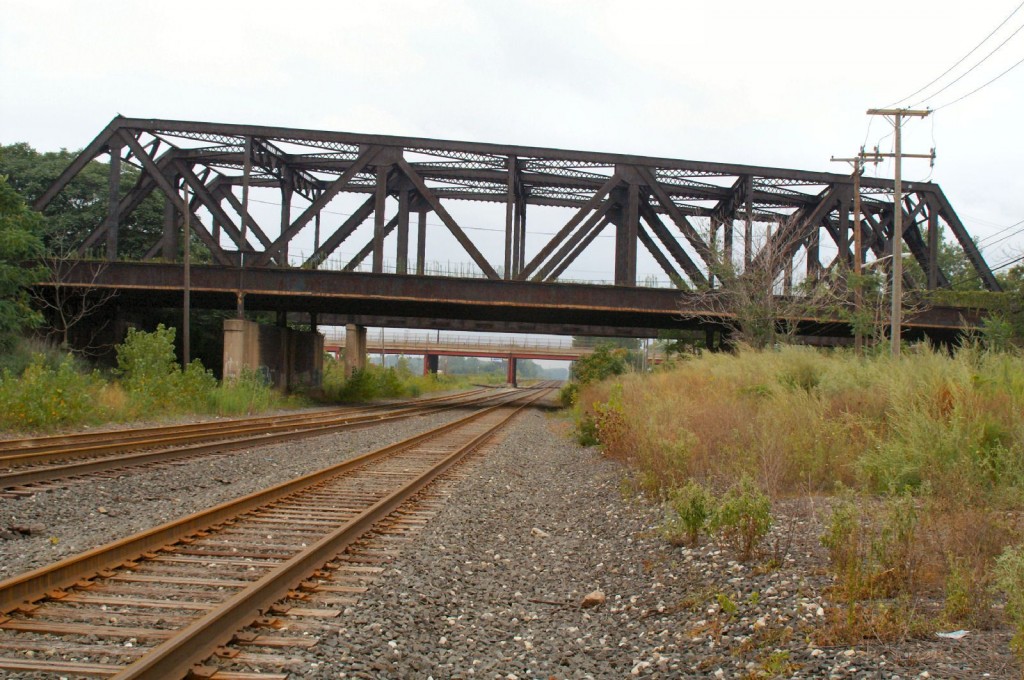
372	194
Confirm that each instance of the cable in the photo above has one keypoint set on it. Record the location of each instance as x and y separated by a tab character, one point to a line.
1004	229
939	108
962	59
961	76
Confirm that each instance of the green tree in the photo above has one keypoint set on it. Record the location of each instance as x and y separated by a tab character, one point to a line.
82	206
19	242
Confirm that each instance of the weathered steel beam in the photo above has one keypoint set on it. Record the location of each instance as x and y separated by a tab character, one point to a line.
172	195
447	219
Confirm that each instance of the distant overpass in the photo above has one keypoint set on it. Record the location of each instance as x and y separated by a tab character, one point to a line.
430	347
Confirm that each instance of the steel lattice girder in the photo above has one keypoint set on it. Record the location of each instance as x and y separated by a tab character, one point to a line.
601	187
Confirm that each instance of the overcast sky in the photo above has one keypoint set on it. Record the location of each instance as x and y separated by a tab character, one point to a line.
782	83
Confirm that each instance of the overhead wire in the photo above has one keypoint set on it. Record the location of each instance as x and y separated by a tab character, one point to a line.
981	87
962	59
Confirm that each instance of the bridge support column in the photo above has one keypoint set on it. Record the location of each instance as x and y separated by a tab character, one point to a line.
355	349
511	377
430	362
284	356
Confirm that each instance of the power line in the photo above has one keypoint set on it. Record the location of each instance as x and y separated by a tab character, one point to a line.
961	60
968	71
939	108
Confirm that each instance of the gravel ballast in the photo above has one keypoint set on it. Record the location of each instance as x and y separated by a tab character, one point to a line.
42	528
494	584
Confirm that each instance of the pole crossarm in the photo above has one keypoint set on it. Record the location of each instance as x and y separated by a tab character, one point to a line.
664	210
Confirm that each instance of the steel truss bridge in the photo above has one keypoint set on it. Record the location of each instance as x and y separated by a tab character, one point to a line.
690	216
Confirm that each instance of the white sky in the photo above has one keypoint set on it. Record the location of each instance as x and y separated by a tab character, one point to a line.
782	83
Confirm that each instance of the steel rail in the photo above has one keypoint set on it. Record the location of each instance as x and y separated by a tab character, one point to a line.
18	477
177	655
36	584
60	442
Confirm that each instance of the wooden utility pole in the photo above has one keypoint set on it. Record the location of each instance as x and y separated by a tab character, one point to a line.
858	242
897	230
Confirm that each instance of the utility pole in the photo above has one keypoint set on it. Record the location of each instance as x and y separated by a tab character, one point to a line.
858	291
897	202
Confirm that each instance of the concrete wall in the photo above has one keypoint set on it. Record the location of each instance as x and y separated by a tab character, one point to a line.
288	358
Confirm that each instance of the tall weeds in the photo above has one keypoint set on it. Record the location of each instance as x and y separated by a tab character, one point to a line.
800	419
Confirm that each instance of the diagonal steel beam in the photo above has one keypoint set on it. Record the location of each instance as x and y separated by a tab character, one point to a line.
675	214
659	257
144	186
317	205
590	205
587	240
368	248
672	245
442	213
558	260
224	189
340	234
210	203
95	148
172	195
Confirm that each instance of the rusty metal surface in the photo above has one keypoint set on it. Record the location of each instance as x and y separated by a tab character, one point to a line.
355	293
648	203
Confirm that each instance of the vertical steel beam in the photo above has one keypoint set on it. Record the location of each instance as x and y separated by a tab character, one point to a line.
421	241
510	209
748	237
170	239
727	241
814	253
378	219
246	175
113	199
286	219
933	247
626	236
402	254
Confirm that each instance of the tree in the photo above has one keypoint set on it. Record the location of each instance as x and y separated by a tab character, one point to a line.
82	206
19	243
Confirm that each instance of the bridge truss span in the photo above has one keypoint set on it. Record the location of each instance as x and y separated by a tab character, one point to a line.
689	216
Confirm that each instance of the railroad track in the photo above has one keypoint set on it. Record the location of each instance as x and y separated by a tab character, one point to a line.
30	465
156	604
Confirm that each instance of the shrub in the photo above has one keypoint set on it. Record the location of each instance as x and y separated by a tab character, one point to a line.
693	506
46	397
743	516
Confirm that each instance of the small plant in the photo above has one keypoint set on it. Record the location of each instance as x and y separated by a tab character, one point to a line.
743	516
586	431
692	505
726	604
1009	580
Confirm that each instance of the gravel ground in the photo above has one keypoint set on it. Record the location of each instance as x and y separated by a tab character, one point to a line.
494	585
66	521
493	589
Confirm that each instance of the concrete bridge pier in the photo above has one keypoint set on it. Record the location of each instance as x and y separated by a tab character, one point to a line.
355	349
287	358
511	376
430	363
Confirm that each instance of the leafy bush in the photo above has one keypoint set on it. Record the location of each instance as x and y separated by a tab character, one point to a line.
693	506
152	378
44	397
743	516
